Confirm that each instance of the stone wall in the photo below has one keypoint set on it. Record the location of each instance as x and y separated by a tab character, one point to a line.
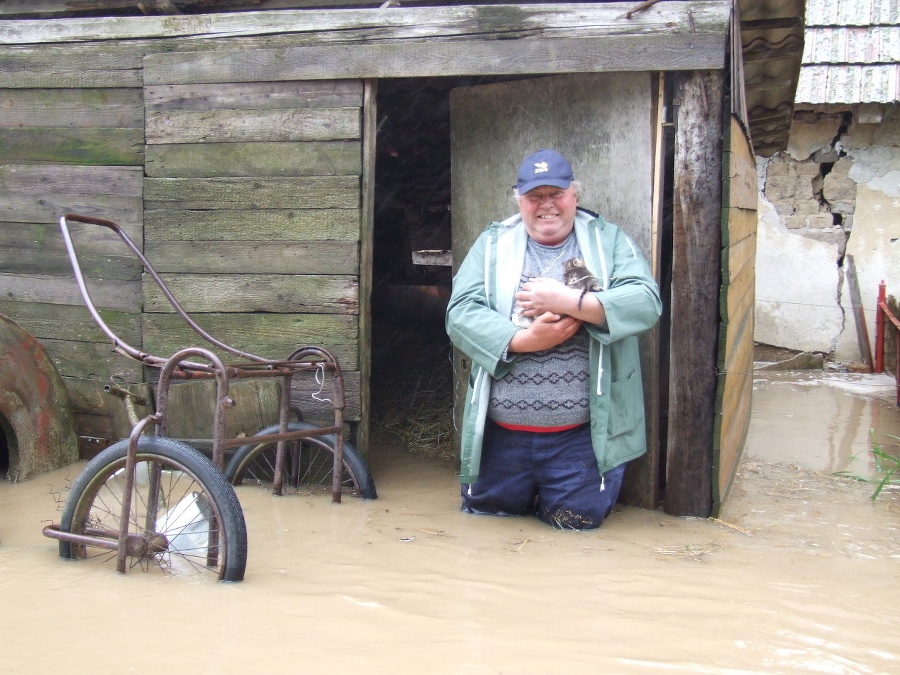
834	192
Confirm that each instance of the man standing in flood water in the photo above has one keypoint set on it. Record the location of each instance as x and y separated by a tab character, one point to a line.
554	407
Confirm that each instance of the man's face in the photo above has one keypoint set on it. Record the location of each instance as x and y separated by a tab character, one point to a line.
548	213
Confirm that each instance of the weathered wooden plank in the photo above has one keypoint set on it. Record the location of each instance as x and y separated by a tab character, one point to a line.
71	322
736	397
738	364
306	394
36	262
741	180
502	21
76	108
742	224
43	193
203	160
735	257
434	58
69	8
47	179
252	193
92	361
191	405
256	293
697	216
116	294
36	207
738	304
230	126
273	336
294	224
47	238
102	64
735	406
254	95
731	434
247	257
95	146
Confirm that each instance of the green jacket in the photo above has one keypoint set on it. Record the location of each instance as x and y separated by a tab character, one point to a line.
479	326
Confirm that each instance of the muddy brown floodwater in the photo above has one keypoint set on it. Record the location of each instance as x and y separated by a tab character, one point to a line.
800	574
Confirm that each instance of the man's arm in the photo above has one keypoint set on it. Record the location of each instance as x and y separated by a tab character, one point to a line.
548	295
546	331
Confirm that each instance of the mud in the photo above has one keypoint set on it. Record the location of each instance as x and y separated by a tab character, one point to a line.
799	574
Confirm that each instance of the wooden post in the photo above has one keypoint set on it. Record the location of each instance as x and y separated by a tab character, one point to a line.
366	248
859	316
697	213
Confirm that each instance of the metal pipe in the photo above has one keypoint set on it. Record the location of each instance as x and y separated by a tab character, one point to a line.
129	487
54	532
879	329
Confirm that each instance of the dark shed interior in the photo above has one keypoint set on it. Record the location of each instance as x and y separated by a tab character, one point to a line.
412	376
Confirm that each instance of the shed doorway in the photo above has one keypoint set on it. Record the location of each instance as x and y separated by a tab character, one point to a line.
605	125
411	384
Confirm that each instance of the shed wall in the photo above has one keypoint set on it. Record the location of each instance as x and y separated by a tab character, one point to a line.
247	139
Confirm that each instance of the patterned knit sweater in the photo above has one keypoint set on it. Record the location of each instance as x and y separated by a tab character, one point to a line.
547	388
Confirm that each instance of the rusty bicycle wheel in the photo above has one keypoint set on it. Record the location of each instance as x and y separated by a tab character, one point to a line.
184	519
307	469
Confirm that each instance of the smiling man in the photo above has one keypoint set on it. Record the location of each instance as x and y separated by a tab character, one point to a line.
554	408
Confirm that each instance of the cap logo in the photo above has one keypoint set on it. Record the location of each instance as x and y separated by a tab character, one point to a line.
541	167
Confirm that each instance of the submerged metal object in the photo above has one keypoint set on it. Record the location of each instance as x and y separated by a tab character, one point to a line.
35	412
207	531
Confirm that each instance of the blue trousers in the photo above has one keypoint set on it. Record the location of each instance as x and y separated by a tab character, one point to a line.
551	475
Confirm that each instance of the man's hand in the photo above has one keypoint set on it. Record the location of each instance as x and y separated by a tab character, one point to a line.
546	331
540	295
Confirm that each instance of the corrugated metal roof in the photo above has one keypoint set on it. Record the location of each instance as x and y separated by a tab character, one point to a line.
849	84
851	52
852	12
871	44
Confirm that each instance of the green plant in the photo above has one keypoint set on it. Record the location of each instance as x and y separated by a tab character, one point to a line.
887	466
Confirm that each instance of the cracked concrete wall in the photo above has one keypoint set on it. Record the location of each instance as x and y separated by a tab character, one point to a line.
834	192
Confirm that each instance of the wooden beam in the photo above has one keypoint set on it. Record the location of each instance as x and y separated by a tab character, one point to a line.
417	59
20	9
697	212
366	256
695	18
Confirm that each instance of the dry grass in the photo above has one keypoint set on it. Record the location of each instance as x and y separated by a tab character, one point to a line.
412	389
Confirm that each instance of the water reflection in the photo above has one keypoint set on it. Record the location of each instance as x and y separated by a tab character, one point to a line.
821	421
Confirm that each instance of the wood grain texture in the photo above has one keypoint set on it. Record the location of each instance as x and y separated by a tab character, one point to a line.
697	215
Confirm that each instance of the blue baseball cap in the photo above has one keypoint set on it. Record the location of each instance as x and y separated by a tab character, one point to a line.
544	167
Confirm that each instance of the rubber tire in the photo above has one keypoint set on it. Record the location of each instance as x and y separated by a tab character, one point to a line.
181	457
354	464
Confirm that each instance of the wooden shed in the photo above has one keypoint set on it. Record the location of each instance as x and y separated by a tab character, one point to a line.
284	165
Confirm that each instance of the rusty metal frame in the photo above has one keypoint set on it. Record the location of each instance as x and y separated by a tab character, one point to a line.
883	317
202	363
184	365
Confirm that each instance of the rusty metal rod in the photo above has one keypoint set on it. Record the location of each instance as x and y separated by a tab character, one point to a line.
130	461
110	541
